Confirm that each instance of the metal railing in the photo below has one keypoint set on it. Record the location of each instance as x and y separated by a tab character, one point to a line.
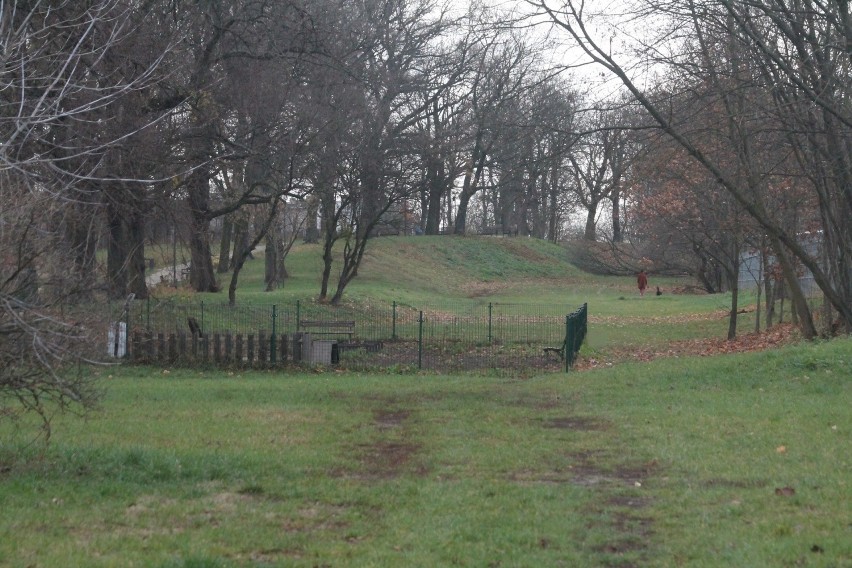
447	337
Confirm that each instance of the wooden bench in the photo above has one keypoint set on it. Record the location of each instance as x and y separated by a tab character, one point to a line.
320	327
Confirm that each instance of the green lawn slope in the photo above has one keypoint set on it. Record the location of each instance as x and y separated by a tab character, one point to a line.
437	270
426	269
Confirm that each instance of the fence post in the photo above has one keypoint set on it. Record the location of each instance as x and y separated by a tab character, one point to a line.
420	342
298	314
127	331
393	319
565	346
148	313
202	317
489	322
272	347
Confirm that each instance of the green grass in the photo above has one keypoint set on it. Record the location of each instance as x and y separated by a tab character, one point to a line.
671	463
666	464
425	270
458	272
421	269
429	270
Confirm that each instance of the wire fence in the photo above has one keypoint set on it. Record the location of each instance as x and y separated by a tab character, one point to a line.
445	337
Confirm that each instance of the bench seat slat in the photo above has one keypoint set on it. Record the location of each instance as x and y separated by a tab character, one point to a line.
331	327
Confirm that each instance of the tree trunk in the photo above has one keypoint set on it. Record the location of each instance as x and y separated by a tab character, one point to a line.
616	215
326	276
732	319
460	226
272	262
353	254
329	228
327	261
116	252
758	307
82	238
590	234
225	246
433	204
312	234
732	270
202	278
136	255
797	297
262	232
201	275
129	209
470	185
232	287
553	196
770	287
125	255
240	234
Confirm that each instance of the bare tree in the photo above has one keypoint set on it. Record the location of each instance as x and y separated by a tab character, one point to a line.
381	81
591	169
787	51
501	64
280	239
51	92
557	103
232	59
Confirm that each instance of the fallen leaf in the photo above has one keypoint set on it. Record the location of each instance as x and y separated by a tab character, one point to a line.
781	449
780	334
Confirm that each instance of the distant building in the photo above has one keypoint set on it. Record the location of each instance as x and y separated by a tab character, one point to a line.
752	274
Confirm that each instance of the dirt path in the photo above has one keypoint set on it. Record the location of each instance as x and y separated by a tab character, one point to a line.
168	273
165	275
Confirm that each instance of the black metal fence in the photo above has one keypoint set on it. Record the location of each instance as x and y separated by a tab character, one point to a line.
445	337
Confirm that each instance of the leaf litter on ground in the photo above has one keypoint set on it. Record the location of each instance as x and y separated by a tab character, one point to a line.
777	336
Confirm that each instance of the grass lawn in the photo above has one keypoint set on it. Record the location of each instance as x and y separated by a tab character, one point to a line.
423	270
726	461
733	460
458	272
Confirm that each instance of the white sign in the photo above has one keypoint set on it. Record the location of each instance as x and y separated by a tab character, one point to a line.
117	343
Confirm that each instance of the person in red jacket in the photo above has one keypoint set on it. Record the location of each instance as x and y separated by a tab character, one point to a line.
642	282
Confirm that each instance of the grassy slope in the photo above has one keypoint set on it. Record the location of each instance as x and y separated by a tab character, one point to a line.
422	271
426	267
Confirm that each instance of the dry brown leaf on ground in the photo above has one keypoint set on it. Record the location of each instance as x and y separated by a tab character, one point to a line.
777	336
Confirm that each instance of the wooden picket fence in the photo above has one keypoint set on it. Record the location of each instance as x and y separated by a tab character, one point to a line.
221	349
